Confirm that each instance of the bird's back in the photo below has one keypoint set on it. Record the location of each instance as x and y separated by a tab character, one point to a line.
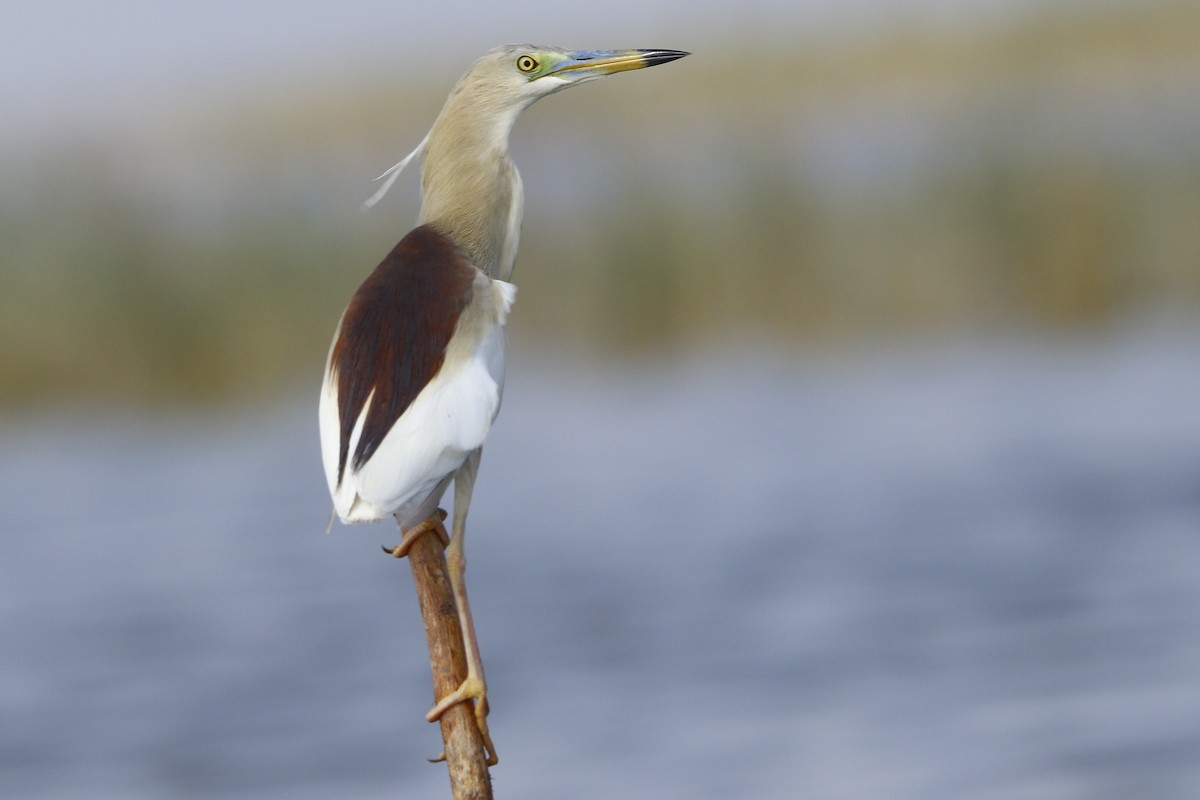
413	379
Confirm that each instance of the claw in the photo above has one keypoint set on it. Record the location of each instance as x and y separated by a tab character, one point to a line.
469	689
434	524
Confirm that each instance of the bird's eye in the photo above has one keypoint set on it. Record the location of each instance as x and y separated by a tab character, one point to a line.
527	63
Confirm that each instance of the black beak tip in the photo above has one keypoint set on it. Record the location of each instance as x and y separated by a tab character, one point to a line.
654	57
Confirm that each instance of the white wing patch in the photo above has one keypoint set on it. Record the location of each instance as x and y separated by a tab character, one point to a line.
446	421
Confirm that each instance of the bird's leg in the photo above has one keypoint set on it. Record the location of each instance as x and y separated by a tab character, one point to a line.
431	525
473	687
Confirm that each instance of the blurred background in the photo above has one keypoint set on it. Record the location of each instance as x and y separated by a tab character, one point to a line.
851	442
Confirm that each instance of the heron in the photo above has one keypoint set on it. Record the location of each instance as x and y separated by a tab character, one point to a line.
415	372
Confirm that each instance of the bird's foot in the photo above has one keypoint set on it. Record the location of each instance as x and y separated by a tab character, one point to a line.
470	689
431	525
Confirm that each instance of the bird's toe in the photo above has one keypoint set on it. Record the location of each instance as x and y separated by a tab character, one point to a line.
431	525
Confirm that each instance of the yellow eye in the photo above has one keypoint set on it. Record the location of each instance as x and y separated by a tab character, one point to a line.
527	63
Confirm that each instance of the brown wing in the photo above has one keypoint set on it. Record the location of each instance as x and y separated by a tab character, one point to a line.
393	336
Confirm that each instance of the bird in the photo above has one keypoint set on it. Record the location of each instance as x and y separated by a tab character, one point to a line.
415	372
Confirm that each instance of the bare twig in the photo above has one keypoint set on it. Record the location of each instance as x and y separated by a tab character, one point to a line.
466	757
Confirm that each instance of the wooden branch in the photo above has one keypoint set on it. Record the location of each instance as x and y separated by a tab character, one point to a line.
466	757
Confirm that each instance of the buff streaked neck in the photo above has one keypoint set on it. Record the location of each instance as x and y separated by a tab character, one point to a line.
470	189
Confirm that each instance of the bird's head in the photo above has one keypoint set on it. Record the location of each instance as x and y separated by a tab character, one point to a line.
521	73
499	86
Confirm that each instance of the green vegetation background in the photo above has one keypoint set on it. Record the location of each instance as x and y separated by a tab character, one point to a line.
1036	177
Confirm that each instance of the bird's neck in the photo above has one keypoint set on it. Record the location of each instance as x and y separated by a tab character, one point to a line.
470	189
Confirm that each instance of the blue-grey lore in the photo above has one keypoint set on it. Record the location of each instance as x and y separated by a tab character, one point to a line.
416	370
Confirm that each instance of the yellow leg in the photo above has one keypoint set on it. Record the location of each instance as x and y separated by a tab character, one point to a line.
473	687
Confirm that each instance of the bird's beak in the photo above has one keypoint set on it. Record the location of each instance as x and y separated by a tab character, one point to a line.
587	64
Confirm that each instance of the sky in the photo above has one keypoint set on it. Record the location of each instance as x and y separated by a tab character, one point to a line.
75	64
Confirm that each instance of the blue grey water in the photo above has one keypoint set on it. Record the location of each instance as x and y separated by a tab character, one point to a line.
945	572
